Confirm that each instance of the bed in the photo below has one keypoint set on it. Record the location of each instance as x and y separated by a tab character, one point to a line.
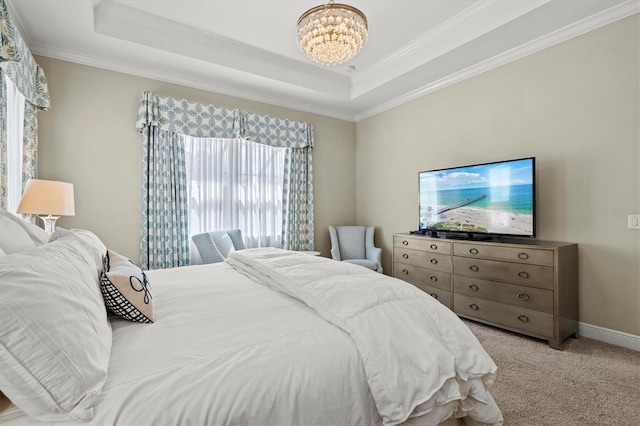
267	337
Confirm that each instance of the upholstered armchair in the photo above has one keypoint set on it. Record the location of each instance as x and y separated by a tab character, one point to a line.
215	246
354	244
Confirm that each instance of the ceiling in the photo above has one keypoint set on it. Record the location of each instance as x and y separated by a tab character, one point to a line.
247	48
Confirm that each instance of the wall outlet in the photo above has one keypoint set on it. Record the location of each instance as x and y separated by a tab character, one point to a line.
634	221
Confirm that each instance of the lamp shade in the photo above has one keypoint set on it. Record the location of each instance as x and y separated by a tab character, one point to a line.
47	197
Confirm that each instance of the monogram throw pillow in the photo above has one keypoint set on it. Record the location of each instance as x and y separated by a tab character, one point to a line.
126	289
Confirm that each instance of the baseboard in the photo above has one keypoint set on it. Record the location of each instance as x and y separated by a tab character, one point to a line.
614	337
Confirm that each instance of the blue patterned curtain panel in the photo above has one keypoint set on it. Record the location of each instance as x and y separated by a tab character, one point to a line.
17	63
4	181
165	239
297	200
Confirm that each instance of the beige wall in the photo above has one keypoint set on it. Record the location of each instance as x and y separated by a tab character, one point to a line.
88	137
575	107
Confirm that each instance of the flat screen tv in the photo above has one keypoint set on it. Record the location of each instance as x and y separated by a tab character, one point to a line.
481	200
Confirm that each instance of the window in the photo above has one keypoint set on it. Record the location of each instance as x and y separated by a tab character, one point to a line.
235	183
15	127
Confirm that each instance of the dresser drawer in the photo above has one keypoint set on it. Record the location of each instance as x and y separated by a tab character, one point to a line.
525	297
442	296
538	323
418	275
422	244
516	273
512	254
436	261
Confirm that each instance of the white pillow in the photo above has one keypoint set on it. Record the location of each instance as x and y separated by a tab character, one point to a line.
13	237
95	246
55	338
38	235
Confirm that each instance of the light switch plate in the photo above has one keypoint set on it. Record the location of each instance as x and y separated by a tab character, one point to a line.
634	221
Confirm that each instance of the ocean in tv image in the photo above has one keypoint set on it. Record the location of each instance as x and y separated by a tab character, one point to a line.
490	198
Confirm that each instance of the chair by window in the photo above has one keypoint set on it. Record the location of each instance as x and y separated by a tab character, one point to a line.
354	244
216	246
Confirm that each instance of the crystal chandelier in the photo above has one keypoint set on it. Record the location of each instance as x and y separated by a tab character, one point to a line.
331	34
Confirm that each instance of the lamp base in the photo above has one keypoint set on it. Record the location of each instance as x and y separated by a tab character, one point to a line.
49	223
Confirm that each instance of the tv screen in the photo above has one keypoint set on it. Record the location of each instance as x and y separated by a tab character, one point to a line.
483	199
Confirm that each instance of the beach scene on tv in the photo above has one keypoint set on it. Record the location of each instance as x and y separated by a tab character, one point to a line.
490	198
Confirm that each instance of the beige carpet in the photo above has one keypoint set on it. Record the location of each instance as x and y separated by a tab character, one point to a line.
588	383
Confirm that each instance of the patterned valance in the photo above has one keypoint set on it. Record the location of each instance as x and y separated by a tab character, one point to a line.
202	120
18	63
186	117
275	131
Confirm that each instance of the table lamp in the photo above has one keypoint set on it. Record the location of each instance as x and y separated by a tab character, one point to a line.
49	199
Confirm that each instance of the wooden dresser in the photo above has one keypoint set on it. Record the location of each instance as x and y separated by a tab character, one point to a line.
530	288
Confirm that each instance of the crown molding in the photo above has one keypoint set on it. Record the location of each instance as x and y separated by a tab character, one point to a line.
471	23
182	80
591	23
135	26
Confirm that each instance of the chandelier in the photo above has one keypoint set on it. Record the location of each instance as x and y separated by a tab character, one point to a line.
333	33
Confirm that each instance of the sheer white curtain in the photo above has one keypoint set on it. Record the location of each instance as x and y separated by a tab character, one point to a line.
15	129
235	183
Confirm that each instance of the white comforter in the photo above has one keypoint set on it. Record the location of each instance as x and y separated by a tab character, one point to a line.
227	350
420	360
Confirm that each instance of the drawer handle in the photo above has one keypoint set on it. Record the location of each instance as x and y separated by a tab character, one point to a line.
474	268
523	318
473	287
433	278
523	256
404	271
434	247
435	296
473	251
523	296
474	306
405	243
405	255
523	274
434	261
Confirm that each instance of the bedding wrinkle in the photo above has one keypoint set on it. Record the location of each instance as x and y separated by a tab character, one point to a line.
385	319
40	337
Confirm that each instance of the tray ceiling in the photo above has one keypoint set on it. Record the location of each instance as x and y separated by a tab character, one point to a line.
248	49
